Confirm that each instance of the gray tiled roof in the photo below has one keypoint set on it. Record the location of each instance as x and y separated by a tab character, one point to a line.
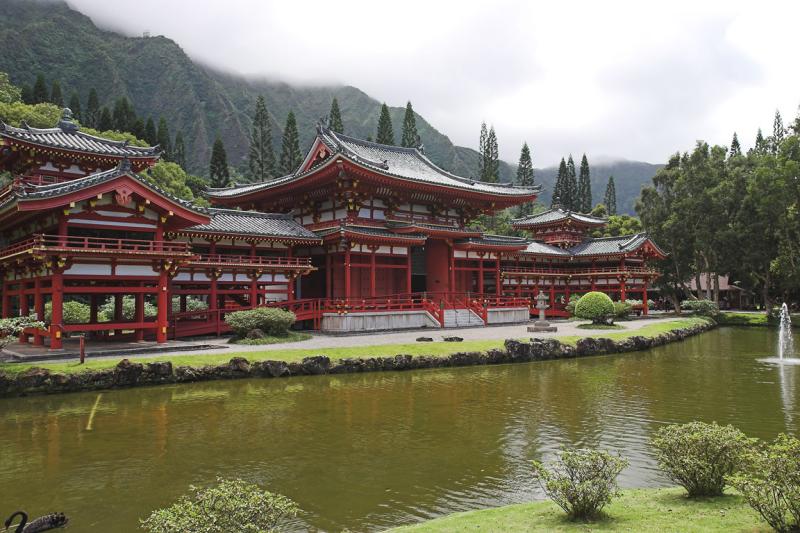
495	240
541	248
252	223
609	245
35	192
69	137
555	215
394	161
370	231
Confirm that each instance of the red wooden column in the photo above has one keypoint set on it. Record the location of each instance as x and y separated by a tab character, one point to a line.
23	307
552	294
118	312
645	308
622	293
347	271
373	250
5	300
163	302
213	301
408	269
498	286
138	315
480	272
57	300
38	307
452	266
254	288
291	277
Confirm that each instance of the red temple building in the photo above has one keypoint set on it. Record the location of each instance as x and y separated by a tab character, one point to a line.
362	236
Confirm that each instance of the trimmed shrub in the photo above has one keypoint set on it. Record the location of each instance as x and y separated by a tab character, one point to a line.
581	482
700	307
231	505
270	320
698	456
10	328
622	309
595	306
74	312
573	301
106	311
192	304
770	482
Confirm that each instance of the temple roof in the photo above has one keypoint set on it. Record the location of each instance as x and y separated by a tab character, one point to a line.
369	231
493	241
541	248
408	164
253	223
557	215
612	245
67	136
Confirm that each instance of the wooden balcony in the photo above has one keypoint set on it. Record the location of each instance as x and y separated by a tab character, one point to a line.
65	246
251	261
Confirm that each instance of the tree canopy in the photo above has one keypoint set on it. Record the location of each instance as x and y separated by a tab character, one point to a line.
385	133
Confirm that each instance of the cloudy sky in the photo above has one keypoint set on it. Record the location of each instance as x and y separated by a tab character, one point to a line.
620	79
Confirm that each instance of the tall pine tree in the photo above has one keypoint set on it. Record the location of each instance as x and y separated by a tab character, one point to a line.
778	133
290	149
123	115
584	187
525	178
138	128
105	122
150	133
560	185
385	134
92	109
164	139
218	171
570	186
179	150
335	117
491	160
761	145
482	152
409	138
56	97
736	148
611	197
40	95
27	94
75	106
261	158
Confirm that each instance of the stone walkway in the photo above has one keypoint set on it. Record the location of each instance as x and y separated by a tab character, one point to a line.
322	342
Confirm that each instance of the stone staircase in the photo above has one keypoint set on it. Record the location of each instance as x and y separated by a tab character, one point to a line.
461	318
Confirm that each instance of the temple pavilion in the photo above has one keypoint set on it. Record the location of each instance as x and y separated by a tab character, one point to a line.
362	236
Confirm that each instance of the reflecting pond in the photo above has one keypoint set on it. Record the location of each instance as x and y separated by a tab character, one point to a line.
369	451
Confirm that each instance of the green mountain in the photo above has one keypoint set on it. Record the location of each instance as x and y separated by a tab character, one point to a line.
161	80
156	75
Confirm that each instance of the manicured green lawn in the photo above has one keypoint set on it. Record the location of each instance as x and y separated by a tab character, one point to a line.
752	319
638	510
434	349
591	326
293	336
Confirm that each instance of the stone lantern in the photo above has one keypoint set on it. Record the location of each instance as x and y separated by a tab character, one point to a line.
541	325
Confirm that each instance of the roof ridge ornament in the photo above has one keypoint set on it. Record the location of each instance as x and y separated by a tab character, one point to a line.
124	165
66	124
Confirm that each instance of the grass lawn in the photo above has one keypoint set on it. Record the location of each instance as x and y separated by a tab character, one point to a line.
436	349
599	326
752	319
655	510
293	336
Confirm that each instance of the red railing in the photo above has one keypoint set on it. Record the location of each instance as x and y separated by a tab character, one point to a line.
512	270
277	261
69	243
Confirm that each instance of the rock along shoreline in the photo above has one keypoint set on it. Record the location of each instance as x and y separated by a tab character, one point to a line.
126	374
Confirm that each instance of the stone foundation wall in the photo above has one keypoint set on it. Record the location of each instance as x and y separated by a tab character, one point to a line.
508	316
377	321
132	374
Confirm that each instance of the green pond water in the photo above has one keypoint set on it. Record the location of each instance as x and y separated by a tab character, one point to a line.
370	451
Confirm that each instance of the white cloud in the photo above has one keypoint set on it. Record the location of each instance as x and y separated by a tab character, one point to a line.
621	79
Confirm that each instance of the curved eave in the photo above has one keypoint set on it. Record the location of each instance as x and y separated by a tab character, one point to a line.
143	159
557	224
431	232
488	247
366	238
247	236
387	178
188	216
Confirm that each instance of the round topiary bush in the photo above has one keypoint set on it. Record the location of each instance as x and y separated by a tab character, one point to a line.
595	306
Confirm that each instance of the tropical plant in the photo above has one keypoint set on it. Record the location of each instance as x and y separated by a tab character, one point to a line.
73	312
595	306
622	309
272	321
192	304
770	482
10	328
106	311
701	307
573	301
581	482
231	505
698	456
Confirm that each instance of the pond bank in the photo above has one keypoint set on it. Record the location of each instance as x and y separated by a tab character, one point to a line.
48	380
635	510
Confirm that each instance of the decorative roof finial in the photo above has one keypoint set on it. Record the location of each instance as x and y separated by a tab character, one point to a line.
124	165
556	202
66	124
420	146
322	124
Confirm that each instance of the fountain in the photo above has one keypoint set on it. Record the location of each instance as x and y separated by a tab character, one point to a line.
785	338
786	355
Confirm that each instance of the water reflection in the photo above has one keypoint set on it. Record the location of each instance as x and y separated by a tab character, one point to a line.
374	450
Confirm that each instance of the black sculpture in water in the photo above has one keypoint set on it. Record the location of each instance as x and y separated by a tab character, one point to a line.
43	523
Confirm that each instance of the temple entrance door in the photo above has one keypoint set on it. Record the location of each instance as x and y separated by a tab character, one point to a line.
418	274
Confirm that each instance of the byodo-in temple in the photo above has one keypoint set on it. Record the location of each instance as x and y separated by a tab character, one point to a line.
361	237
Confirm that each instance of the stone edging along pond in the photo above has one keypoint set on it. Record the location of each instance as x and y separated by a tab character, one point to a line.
132	374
